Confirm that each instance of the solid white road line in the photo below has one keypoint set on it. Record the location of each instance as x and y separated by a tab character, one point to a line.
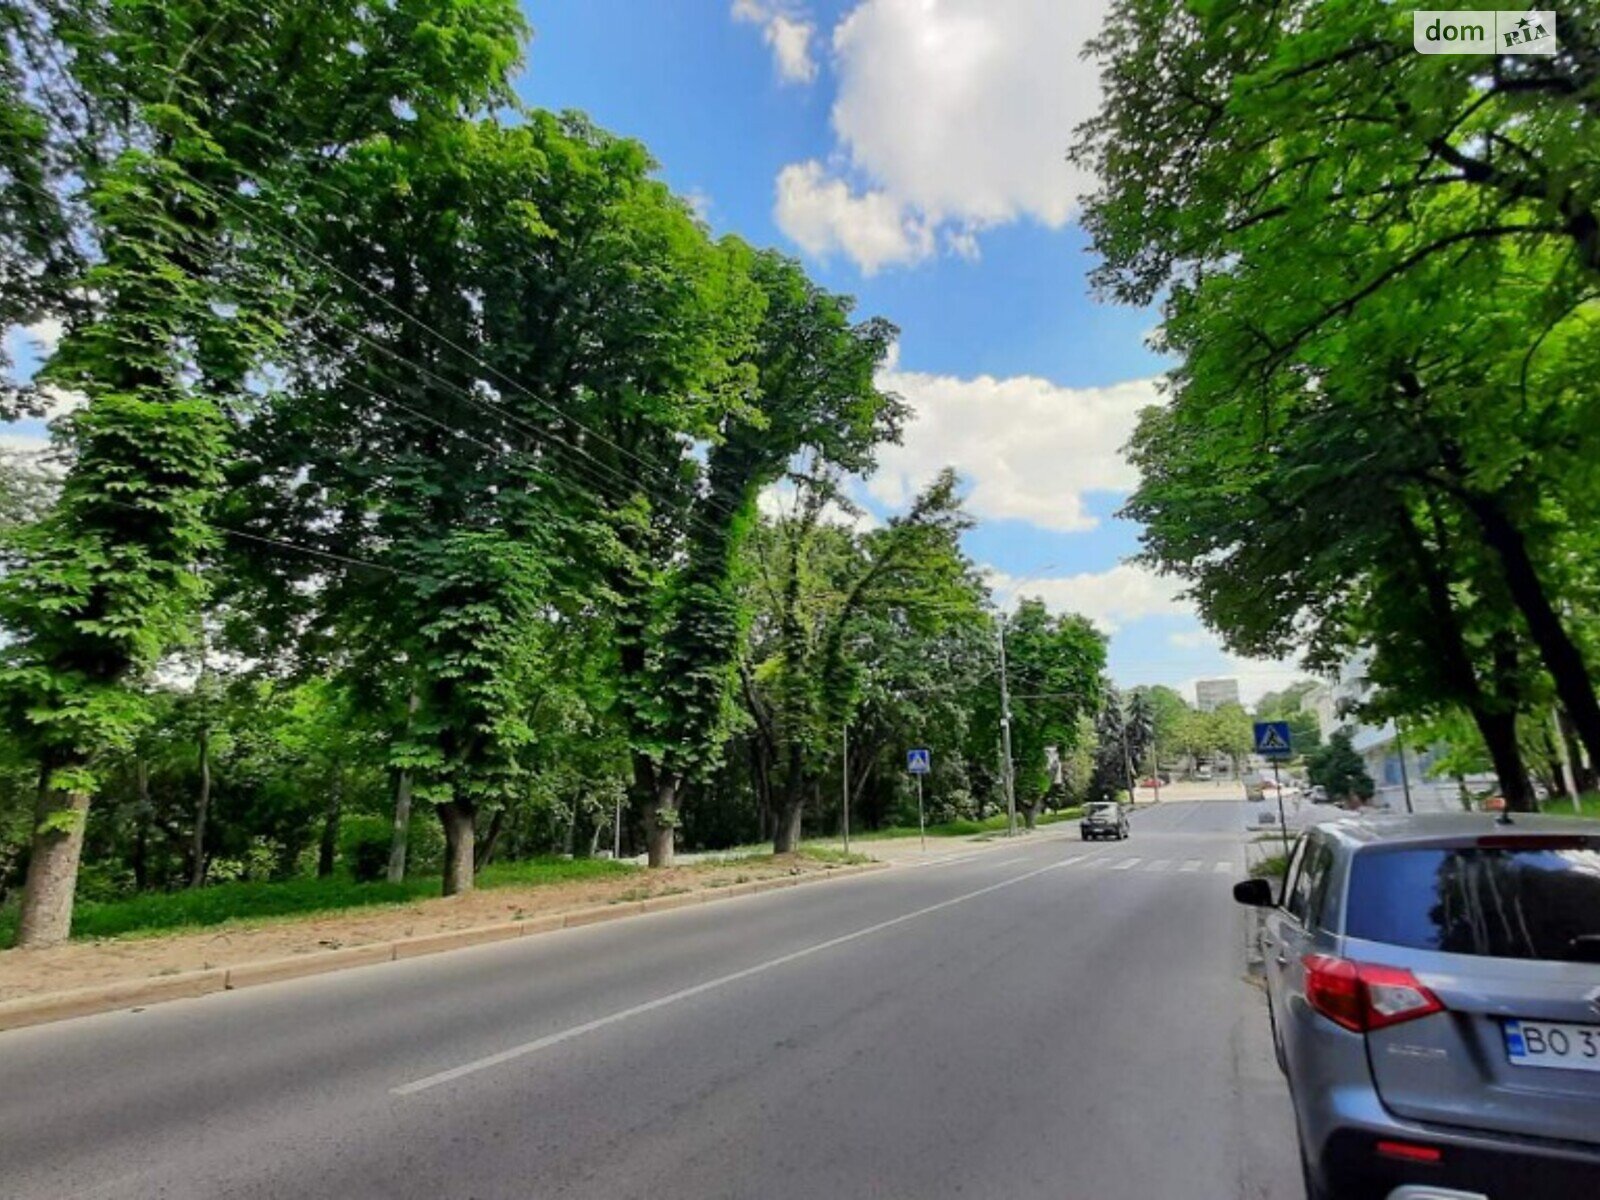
638	1010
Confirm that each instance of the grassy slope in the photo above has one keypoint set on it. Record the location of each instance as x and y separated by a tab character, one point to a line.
156	911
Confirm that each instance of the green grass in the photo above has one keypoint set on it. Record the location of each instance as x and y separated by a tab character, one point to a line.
827	854
1589	805
1272	867
155	912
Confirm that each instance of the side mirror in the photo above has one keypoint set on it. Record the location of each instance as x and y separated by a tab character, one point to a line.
1257	893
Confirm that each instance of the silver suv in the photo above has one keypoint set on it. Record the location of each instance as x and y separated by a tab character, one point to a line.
1434	989
1103	819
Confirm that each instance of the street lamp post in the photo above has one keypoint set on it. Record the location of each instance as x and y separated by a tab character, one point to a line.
1005	735
844	783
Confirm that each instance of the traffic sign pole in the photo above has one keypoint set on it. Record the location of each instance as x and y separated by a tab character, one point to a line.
1283	823
1274	741
922	828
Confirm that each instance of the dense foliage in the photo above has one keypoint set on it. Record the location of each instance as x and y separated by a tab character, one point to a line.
416	453
1378	271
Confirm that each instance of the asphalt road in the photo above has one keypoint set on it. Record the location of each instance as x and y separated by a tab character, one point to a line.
1044	1019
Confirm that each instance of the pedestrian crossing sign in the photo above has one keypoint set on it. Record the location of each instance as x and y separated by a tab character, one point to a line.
1272	739
919	761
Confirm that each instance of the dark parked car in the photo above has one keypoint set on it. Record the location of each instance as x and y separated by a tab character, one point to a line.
1434	991
1103	819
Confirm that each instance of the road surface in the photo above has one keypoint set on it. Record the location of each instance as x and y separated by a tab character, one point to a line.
1043	1019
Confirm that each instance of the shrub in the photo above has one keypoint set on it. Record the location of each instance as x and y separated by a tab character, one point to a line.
364	847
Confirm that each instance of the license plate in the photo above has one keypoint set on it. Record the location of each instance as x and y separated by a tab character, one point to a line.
1552	1044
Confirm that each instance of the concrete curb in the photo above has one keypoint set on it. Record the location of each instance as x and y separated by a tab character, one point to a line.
136	993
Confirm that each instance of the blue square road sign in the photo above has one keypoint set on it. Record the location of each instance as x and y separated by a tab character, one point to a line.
1272	739
919	761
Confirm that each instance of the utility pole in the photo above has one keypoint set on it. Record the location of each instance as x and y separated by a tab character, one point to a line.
1405	775
1005	734
1567	773
844	781
1127	755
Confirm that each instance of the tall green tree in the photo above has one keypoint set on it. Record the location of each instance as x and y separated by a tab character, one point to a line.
1390	257
809	393
806	670
186	105
1056	666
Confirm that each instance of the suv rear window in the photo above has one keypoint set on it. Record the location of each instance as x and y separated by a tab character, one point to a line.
1541	901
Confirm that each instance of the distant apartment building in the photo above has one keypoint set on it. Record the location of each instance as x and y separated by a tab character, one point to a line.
1212	694
1400	770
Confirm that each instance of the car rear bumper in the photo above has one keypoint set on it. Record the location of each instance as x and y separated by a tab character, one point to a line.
1472	1163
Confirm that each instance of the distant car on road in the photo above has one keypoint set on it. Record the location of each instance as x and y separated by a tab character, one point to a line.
1103	819
1433	984
1319	795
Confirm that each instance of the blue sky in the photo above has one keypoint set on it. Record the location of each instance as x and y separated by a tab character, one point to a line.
821	128
912	154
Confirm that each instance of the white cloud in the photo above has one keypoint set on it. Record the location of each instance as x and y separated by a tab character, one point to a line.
45	334
786	33
1196	639
699	200
1028	449
957	114
1112	598
824	216
24	444
782	499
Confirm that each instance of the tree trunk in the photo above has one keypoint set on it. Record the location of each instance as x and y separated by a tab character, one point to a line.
1499	731
328	848
1561	655
59	819
459	846
1030	816
202	810
786	835
1552	758
661	824
1582	772
491	840
400	832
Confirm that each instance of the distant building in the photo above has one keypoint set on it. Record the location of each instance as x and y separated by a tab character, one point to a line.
1380	748
1212	694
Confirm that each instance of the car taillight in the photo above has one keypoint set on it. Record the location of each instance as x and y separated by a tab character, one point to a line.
1362	997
